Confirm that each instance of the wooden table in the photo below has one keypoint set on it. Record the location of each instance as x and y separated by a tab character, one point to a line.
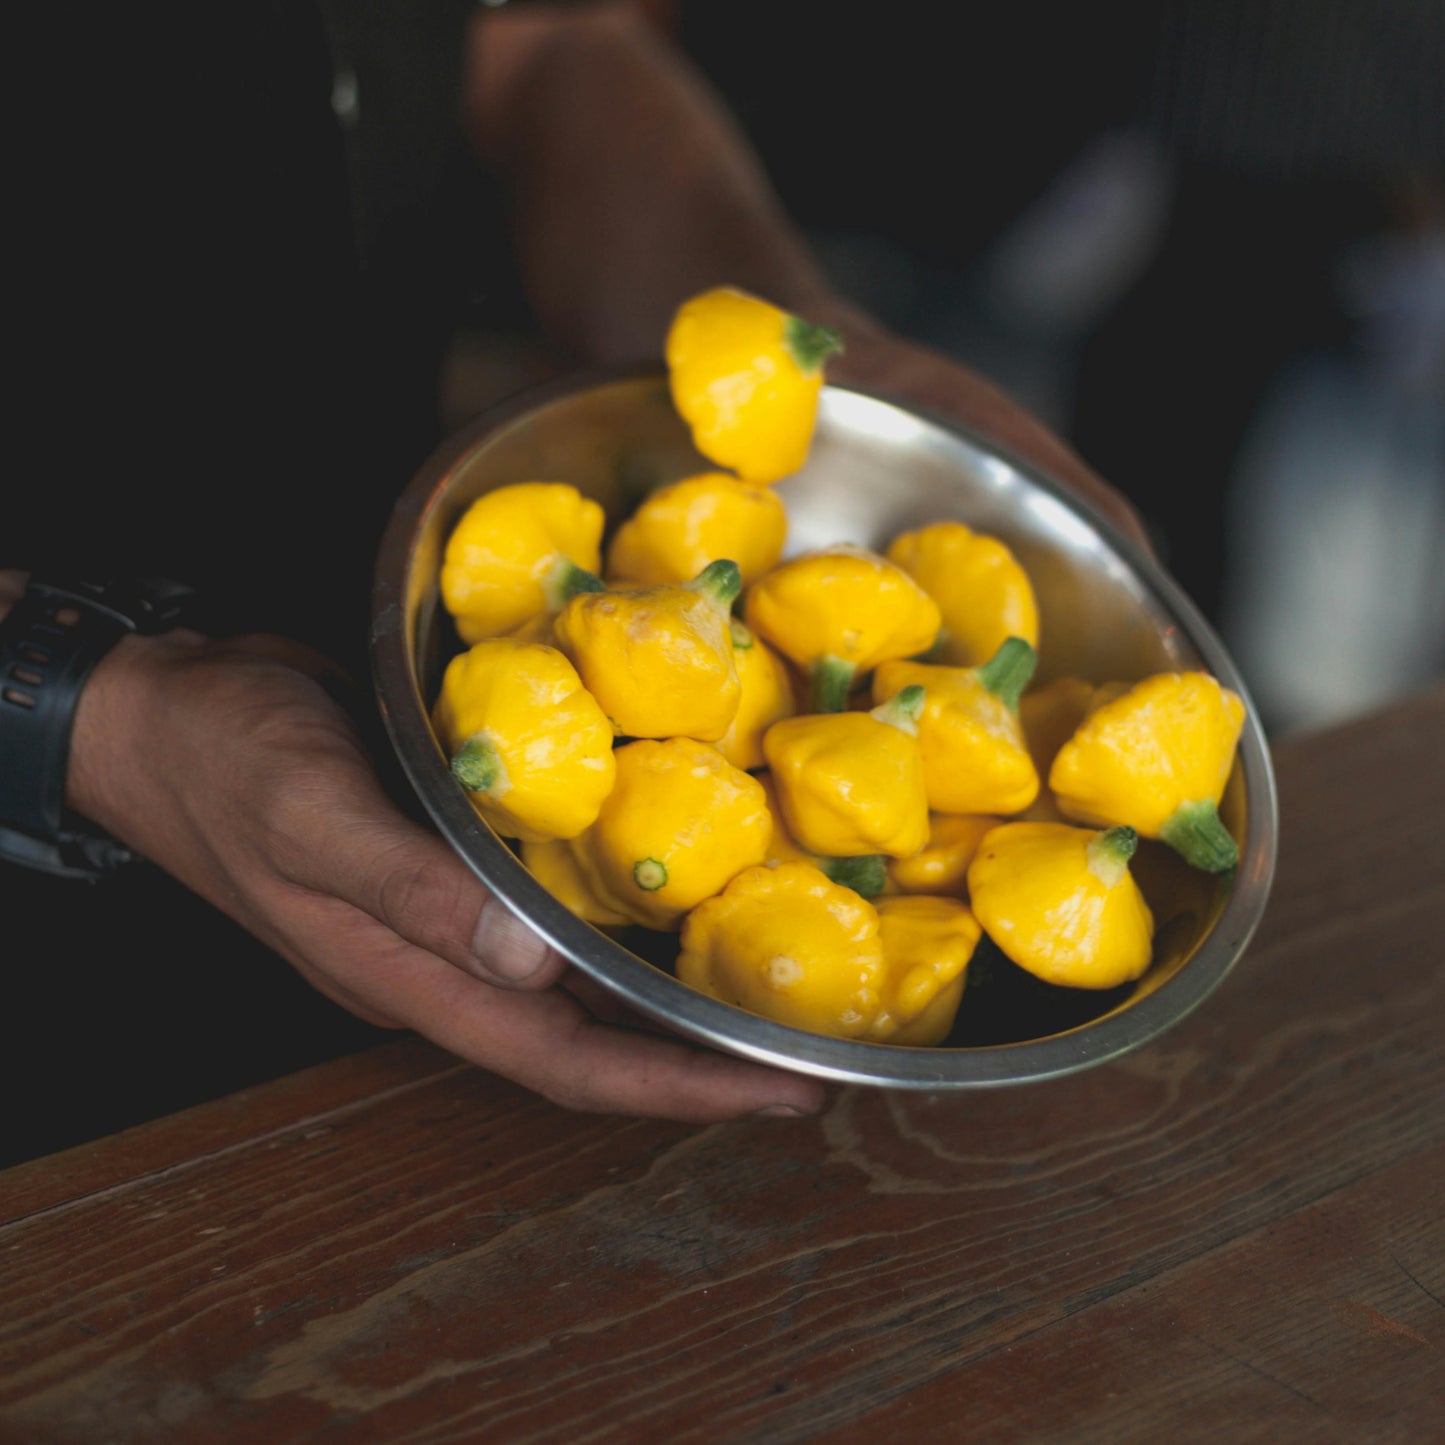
1233	1235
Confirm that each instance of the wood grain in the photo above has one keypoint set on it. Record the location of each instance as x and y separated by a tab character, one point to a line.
228	1123
1232	1234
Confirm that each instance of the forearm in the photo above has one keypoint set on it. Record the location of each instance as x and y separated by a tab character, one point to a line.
633	188
631	184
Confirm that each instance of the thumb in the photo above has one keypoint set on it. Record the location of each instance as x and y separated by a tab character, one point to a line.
414	883
507	951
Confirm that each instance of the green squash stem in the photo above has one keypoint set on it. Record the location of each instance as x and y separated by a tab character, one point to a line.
1006	674
1109	855
832	681
865	875
564	580
903	709
1197	833
809	345
477	765
719	582
649	874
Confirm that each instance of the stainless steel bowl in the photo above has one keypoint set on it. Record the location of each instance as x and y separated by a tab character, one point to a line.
876	468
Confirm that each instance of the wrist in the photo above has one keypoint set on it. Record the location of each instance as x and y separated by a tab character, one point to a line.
53	637
112	719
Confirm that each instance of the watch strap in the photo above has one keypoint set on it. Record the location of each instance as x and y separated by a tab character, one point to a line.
50	641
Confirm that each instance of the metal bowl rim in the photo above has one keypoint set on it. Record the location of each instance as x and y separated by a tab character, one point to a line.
659	995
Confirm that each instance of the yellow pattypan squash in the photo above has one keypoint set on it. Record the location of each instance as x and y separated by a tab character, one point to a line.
927	945
679	823
1060	902
766	695
678	529
745	376
660	659
518	551
1049	716
982	591
941	865
866	874
851	783
975	759
836	613
1156	758
527	741
790	945
553	863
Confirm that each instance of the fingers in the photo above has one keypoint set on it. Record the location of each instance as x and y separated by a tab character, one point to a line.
309	811
335	832
546	1041
290	831
549	1043
412	882
505	950
352	1002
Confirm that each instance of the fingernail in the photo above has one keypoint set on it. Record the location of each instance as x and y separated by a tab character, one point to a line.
504	947
780	1111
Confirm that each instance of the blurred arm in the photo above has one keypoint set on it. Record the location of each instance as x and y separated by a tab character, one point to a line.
632	188
632	185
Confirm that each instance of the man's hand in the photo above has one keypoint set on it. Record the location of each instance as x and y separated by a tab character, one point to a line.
230	765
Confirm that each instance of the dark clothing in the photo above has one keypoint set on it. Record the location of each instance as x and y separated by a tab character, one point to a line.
229	375
223	387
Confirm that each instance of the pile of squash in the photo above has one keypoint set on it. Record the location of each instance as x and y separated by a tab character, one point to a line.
826	774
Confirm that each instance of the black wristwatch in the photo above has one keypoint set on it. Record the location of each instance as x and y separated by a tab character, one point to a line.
49	642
